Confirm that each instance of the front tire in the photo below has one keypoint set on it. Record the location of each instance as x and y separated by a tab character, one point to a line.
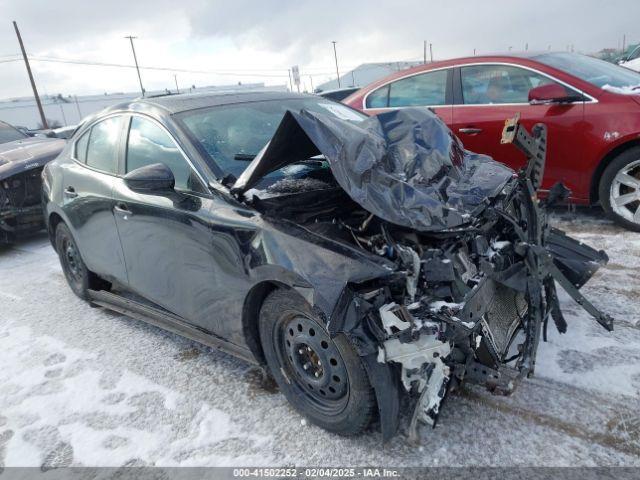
322	377
619	189
75	271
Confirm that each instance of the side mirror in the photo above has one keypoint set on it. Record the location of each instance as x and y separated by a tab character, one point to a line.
155	178
552	93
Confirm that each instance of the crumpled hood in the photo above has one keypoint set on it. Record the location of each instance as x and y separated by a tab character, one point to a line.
404	166
21	155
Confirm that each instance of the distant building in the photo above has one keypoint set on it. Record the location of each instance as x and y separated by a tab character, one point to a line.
365	74
70	110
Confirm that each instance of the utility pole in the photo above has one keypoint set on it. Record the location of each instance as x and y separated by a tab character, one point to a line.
624	42
78	107
175	77
335	56
135	59
43	119
311	80
424	54
64	117
431	52
290	81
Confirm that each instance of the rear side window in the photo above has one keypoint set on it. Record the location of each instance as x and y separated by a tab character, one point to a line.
102	148
81	148
426	89
378	98
148	144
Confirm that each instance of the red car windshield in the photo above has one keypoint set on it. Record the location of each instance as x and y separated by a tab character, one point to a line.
592	70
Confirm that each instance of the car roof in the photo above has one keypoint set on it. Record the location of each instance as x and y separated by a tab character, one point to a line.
193	101
525	57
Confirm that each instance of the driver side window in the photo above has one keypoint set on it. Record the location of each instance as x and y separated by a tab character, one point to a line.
148	143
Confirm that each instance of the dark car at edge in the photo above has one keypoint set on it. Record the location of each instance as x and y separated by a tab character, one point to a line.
361	260
21	161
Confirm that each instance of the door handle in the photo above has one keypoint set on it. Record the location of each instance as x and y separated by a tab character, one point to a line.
470	130
70	192
122	209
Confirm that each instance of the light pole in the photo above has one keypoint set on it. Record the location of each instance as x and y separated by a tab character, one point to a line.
335	56
135	59
175	77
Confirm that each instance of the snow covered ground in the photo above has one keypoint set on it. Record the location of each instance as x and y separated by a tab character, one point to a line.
83	386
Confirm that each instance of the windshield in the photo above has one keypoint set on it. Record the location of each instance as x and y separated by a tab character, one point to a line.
231	135
596	72
10	134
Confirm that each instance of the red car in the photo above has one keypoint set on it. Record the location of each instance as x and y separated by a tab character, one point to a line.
591	109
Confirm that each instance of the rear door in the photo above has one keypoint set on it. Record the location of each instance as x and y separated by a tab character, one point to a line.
487	94
431	89
87	198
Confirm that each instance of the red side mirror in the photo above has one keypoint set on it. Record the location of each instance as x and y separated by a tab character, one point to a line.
552	93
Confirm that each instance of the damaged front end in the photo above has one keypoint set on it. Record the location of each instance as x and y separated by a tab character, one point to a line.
21	164
477	263
20	205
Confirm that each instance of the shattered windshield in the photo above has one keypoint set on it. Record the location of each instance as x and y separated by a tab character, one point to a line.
597	72
232	135
10	134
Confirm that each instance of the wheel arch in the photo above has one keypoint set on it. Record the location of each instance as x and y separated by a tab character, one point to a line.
52	223
251	315
604	163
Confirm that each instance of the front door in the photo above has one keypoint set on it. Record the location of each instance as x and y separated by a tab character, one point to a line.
491	93
166	238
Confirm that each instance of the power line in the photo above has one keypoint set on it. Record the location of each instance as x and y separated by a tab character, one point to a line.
156	68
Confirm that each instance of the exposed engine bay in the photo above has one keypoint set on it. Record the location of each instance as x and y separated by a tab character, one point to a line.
476	263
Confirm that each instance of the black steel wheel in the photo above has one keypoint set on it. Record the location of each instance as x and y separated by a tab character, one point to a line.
322	377
73	267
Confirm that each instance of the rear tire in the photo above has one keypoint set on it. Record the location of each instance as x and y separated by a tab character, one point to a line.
322	377
619	189
75	271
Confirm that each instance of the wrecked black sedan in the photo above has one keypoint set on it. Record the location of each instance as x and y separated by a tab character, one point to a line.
371	263
21	161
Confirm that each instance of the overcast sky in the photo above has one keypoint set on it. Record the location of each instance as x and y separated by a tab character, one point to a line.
258	40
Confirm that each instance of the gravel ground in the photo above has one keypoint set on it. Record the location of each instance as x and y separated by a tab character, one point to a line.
83	386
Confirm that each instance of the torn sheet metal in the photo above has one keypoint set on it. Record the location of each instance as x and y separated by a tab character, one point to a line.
424	370
404	166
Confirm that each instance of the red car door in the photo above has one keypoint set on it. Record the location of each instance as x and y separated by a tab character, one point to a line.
487	94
